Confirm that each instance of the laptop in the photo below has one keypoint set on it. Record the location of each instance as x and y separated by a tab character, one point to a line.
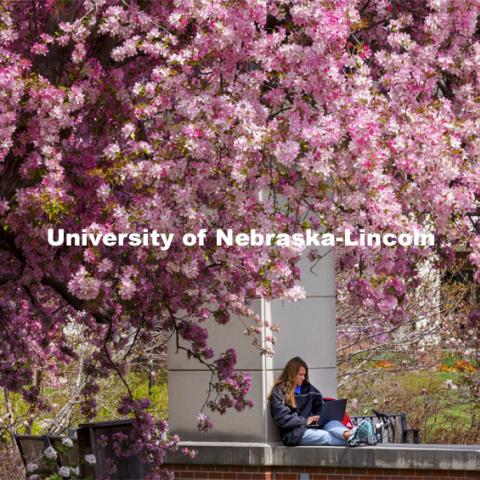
331	410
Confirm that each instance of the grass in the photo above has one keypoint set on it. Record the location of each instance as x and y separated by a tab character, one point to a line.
444	415
112	389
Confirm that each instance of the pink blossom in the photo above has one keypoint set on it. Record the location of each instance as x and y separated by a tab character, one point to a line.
39	49
204	424
295	294
83	285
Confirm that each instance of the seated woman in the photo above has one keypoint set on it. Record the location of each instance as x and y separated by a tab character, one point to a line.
295	404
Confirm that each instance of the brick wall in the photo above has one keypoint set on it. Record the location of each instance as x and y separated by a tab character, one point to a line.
221	472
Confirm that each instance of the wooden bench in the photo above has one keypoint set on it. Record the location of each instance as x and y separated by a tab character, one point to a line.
89	436
31	448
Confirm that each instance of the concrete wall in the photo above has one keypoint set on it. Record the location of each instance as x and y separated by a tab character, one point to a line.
307	329
234	461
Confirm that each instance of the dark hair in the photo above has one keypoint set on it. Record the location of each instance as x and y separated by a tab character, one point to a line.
287	379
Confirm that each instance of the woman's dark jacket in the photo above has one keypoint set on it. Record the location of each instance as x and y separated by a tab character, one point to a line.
292	422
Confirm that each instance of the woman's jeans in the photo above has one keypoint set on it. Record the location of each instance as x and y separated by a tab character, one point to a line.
330	434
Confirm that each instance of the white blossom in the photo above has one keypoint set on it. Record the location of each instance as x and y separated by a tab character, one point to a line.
90	459
67	442
31	467
50	453
64	472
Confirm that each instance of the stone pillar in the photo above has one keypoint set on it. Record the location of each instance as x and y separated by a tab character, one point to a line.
307	329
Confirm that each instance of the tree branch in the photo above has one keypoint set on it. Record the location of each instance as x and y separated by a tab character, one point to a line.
101	316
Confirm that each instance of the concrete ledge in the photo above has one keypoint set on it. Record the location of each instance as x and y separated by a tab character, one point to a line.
397	456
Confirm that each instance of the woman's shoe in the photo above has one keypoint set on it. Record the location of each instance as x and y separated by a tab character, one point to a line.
364	433
352	439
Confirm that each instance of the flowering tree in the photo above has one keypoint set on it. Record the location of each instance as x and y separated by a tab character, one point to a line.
376	368
126	116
